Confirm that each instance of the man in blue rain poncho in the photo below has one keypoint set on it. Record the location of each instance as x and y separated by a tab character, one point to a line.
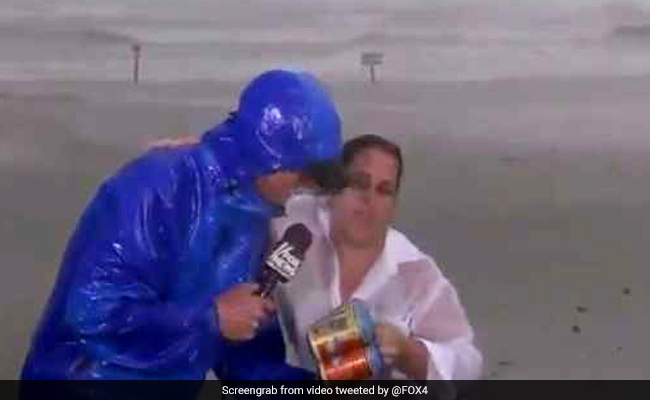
153	283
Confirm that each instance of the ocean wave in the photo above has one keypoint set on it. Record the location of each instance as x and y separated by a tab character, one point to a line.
105	36
40	94
63	34
633	32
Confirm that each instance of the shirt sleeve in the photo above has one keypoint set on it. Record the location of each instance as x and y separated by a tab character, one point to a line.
439	321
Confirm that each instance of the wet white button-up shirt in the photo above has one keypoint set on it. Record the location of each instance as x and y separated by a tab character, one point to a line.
404	287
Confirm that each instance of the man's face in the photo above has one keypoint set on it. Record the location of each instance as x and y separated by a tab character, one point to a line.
277	187
364	210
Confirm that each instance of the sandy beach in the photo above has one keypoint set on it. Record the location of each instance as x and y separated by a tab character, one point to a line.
532	195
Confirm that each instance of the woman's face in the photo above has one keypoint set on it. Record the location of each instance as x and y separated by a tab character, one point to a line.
362	213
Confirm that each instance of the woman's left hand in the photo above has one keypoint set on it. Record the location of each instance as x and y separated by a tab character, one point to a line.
392	344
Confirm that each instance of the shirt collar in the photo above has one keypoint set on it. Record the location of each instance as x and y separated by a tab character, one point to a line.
397	250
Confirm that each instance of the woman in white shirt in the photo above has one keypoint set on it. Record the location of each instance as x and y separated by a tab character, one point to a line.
422	331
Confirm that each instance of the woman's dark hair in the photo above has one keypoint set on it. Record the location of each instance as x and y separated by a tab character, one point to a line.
353	147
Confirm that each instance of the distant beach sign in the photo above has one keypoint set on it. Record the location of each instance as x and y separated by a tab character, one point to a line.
136	48
370	60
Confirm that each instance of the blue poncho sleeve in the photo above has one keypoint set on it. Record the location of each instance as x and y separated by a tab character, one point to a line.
122	267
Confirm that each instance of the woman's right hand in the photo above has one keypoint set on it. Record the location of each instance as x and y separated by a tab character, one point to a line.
241	312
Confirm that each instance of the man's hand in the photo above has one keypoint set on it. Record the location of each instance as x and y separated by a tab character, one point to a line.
240	312
392	344
402	352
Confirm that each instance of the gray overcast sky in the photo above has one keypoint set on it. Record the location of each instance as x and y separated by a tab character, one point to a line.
388	3
106	7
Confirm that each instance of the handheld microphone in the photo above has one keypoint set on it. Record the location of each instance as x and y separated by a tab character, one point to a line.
285	259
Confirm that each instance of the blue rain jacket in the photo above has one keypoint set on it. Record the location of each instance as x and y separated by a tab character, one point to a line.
167	234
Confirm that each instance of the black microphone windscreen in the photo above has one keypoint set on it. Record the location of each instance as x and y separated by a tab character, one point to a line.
299	236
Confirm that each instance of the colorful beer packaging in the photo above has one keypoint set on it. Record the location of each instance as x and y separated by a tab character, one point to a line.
343	344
